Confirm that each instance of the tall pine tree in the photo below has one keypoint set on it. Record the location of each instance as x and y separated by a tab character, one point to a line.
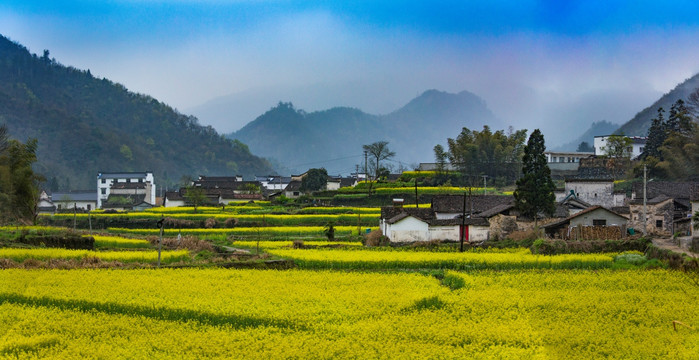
657	133
534	193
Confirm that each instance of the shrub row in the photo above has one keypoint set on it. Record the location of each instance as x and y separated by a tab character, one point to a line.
66	241
554	247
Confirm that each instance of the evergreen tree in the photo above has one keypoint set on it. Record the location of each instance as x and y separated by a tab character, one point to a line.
19	185
534	193
657	134
585	147
680	119
315	180
440	158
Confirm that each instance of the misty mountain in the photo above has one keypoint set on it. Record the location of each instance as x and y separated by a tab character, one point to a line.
638	126
333	138
597	128
85	125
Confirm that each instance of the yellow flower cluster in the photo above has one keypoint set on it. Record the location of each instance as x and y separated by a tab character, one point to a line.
17	254
288	244
205	313
259	218
270	230
119	242
342	209
368	259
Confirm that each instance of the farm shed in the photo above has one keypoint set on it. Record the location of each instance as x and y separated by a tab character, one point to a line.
593	223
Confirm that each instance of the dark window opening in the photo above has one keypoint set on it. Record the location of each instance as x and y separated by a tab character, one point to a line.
658	223
599	222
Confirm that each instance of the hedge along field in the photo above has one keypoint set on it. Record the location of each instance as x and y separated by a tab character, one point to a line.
368	259
371	219
20	255
249	231
197	313
33	229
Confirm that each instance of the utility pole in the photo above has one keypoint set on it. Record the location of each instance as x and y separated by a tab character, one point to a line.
161	224
645	182
485	192
365	167
463	225
416	197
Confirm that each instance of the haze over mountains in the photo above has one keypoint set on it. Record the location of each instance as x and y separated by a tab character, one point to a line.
639	124
333	138
85	125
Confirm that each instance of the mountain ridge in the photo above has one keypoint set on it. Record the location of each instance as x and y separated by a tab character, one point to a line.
640	123
84	125
411	130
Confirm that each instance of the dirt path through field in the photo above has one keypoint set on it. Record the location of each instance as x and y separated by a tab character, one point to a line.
670	244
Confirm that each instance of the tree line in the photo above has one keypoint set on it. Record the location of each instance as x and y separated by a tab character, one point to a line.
672	149
19	185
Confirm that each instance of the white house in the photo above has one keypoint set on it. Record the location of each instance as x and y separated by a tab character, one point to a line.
105	182
45	205
595	192
274	182
402	225
638	143
83	200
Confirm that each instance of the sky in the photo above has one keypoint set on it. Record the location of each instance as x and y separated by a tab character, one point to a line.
554	65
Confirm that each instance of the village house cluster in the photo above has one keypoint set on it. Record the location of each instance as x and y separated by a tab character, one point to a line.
136	191
588	200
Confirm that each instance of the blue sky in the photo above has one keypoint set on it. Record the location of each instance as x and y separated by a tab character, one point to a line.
535	63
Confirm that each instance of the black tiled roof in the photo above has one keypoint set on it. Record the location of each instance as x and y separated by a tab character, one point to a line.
694	193
388	212
121	185
293	186
90	195
675	190
481	203
117	200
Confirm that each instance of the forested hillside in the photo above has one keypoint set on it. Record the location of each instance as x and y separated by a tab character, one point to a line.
84	125
638	126
333	138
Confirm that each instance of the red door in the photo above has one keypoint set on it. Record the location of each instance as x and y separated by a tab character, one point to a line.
464	232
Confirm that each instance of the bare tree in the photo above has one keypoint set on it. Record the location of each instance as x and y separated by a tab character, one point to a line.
379	151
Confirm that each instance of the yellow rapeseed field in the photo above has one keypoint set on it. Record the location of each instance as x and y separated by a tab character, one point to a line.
269	230
119	242
18	254
288	244
300	314
368	259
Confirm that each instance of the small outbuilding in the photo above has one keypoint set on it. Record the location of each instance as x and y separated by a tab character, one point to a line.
592	223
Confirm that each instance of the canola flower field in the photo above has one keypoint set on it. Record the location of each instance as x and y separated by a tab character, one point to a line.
262	231
102	241
20	254
303	314
497	260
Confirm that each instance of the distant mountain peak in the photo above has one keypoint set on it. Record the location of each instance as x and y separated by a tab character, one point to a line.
412	131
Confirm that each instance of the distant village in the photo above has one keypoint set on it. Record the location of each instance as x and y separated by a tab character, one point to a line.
586	202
